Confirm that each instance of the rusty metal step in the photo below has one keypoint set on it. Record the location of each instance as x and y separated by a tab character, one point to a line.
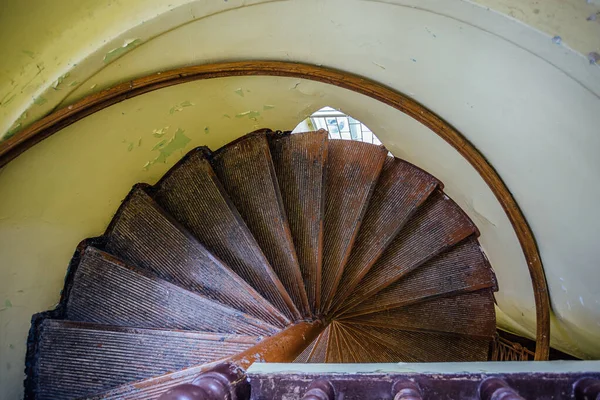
300	166
107	291
470	314
76	359
352	172
436	226
400	190
142	234
192	193
246	170
427	346
461	269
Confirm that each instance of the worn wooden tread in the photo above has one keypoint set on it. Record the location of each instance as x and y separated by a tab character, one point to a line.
78	359
192	194
461	269
400	190
246	170
107	291
300	166
436	226
352	172
470	314
144	235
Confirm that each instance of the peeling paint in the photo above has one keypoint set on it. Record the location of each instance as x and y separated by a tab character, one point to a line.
226	116
60	80
74	83
130	147
93	86
11	132
166	148
268	107
239	91
119	51
251	114
158	133
30	53
181	106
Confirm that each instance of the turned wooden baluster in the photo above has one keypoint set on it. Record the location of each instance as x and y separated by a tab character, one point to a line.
497	389
224	382
406	390
320	389
587	389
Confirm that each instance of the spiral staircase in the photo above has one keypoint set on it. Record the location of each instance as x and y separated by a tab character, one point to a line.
277	247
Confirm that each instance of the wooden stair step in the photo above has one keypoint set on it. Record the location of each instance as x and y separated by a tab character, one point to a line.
143	235
76	359
300	166
319	352
436	226
430	346
371	348
107	291
305	355
192	194
246	170
333	353
352	172
467	314
400	190
346	347
461	269
353	349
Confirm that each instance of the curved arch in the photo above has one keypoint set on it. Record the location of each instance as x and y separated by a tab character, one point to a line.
64	117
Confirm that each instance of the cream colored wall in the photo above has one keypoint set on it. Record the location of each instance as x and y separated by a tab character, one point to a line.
532	107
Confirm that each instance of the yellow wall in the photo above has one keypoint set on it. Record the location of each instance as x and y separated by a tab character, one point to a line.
531	106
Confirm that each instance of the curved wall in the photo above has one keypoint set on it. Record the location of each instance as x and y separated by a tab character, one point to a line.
530	106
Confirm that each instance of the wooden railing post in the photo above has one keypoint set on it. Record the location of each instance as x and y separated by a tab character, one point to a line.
406	390
497	389
224	382
587	389
321	389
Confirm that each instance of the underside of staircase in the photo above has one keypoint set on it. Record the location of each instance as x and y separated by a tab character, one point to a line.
277	247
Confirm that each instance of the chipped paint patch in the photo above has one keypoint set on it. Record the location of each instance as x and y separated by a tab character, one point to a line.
557	40
60	81
128	45
74	83
251	114
206	130
93	86
594	58
158	133
181	106
239	92
268	107
29	53
11	132
226	116
166	148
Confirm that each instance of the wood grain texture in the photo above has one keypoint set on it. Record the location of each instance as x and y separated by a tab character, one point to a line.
33	134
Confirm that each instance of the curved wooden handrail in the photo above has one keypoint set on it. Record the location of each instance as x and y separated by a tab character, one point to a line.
28	137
